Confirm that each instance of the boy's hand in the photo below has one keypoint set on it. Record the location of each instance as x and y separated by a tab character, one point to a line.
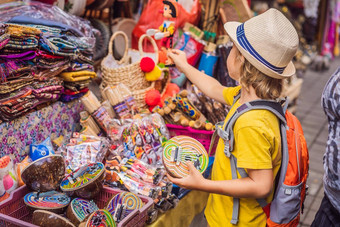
179	58
193	181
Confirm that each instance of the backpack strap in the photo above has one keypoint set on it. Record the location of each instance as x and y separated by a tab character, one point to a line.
227	135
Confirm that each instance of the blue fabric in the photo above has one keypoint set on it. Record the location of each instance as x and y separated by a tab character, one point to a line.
30	20
331	160
243	41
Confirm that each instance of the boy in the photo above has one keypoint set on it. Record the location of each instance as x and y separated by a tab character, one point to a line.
260	59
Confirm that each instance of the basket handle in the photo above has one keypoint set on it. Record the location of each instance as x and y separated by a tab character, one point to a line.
126	45
152	41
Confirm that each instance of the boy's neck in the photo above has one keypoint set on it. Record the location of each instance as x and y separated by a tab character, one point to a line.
248	95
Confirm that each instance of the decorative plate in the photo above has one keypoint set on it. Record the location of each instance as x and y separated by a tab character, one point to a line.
180	149
85	182
100	218
79	209
130	200
51	200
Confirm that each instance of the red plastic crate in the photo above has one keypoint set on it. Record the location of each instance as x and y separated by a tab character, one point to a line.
14	212
203	136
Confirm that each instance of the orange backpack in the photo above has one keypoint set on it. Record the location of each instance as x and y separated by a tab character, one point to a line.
290	190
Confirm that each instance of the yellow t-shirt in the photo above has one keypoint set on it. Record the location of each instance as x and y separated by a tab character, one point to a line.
257	145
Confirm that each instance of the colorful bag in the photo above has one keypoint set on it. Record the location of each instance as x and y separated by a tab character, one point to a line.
290	190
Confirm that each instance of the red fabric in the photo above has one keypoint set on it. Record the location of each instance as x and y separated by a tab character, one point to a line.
150	18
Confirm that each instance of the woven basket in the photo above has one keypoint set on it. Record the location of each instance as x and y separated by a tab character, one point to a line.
129	74
127	70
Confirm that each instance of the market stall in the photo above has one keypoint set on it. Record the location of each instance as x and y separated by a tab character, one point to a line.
94	115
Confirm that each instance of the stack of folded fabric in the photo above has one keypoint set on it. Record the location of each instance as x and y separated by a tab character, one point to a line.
22	101
38	54
63	47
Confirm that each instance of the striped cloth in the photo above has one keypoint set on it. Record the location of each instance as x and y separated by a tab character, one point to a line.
331	105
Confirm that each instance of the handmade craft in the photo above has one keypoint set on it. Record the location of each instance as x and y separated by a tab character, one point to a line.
41	150
19	168
45	218
180	149
101	218
122	204
53	201
167	29
8	177
44	174
143	139
85	182
84	149
79	209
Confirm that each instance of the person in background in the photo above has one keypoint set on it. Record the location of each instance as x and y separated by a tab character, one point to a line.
329	211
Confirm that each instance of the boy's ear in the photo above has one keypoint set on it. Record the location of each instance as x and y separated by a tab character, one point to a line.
242	59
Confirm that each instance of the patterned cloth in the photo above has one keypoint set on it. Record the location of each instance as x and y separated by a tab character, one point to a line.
327	215
55	120
331	160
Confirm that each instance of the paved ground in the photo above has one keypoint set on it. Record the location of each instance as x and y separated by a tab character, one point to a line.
314	124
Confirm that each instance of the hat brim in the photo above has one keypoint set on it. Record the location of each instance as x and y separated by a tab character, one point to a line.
289	71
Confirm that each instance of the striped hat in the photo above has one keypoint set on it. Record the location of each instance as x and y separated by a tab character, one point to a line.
268	41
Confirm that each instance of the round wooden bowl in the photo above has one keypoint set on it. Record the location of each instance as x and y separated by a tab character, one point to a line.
101	218
188	149
52	201
86	182
44	174
45	218
130	200
79	209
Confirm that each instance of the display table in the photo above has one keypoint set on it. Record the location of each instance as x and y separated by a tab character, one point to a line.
54	120
183	214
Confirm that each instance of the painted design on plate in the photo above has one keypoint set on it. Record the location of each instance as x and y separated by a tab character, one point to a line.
101	218
180	149
51	199
81	208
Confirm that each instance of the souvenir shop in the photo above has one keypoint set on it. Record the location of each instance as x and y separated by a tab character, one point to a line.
94	116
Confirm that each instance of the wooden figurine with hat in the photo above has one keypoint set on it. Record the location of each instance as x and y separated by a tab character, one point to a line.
166	31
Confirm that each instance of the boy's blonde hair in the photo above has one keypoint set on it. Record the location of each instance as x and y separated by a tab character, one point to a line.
265	87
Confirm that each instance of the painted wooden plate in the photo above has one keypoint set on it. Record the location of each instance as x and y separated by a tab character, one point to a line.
180	149
79	209
85	182
52	201
130	200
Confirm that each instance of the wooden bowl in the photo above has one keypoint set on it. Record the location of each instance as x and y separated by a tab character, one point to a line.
45	218
130	200
86	182
79	209
101	218
180	149
52	201
44	174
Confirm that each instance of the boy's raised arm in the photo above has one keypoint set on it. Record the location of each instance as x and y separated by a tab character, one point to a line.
207	84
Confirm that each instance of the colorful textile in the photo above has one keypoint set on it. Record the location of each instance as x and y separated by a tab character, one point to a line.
77	76
14	69
76	86
16	84
331	159
70	92
76	66
55	120
69	98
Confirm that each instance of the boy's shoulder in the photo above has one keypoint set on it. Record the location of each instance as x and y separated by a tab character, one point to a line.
257	118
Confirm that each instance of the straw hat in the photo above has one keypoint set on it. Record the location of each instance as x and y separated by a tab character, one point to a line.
268	41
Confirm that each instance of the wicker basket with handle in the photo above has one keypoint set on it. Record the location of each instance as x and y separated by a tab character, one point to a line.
130	74
127	70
